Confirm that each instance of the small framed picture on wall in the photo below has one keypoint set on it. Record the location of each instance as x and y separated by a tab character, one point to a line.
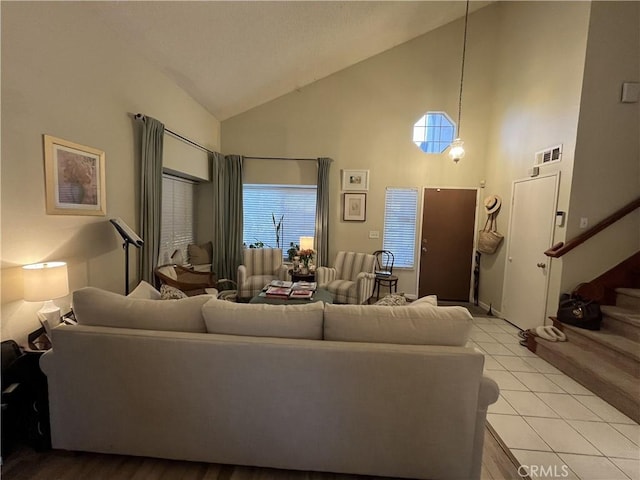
355	207
355	180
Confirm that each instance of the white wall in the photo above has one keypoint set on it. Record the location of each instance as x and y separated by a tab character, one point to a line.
536	101
362	118
65	74
522	87
607	161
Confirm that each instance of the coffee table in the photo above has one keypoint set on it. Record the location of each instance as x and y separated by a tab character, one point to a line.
320	295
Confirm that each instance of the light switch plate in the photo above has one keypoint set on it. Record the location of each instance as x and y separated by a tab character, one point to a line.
374	234
630	92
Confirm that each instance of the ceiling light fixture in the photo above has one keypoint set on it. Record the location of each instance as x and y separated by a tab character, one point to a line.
456	151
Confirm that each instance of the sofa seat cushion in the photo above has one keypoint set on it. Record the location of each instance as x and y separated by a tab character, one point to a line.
343	291
424	325
264	320
93	306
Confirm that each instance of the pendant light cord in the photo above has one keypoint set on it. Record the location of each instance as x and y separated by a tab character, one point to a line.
464	51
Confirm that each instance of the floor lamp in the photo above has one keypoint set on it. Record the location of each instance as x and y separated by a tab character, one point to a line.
130	238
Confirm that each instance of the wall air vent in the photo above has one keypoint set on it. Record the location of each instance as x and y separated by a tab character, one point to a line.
549	155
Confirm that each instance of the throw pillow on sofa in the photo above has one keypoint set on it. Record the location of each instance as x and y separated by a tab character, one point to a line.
145	290
392	299
93	306
264	320
167	292
200	254
425	325
428	300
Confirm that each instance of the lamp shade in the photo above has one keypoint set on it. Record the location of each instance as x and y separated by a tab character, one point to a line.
456	152
45	281
306	243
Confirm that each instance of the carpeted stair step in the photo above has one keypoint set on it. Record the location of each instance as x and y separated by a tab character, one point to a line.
607	345
617	387
628	298
621	321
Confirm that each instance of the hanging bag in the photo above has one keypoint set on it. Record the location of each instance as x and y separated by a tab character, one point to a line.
488	238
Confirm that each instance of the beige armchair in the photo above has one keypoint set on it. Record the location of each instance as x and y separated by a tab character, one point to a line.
259	267
351	278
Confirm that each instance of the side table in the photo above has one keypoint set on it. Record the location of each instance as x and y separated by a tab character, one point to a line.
25	409
302	277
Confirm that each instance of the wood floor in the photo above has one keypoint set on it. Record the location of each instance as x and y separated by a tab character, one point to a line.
26	464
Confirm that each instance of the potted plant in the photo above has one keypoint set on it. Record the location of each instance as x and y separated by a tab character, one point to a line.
293	251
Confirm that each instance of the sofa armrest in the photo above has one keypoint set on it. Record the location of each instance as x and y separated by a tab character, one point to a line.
282	272
325	275
487	394
242	280
364	283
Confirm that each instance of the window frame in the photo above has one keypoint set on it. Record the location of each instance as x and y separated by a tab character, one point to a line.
167	248
393	217
425	141
266	224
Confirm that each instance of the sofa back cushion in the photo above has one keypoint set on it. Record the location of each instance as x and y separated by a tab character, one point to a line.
424	325
264	320
262	261
93	306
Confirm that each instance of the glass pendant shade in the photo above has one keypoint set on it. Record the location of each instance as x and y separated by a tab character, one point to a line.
456	151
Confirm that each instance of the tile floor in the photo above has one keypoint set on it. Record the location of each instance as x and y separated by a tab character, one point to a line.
547	419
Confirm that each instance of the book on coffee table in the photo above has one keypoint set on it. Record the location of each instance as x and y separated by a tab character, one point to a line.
301	294
278	292
281	283
311	286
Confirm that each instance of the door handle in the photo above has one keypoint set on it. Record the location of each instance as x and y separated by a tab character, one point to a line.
541	265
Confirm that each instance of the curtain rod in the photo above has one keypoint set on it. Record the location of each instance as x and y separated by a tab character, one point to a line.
283	158
140	116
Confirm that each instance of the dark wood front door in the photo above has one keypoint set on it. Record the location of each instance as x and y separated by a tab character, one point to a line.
446	244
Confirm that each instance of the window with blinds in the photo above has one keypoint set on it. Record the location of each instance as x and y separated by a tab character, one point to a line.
400	221
295	204
177	225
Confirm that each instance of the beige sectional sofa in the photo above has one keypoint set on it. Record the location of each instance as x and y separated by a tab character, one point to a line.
373	390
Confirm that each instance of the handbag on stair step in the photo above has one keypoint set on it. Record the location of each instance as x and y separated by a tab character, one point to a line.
579	312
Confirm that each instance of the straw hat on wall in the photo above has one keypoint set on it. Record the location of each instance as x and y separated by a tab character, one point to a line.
492	204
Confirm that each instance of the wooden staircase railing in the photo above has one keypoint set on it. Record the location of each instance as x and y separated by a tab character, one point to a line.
561	248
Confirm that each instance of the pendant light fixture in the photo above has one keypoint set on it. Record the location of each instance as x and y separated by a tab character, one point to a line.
456	150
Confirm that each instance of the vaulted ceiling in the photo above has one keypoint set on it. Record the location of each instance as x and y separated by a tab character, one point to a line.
231	56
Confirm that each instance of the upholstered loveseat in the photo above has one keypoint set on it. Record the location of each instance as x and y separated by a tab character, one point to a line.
373	390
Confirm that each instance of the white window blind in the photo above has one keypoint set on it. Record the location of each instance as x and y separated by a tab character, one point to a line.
177	225
296	202
400	220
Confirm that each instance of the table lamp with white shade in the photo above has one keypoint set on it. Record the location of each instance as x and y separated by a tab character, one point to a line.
42	283
306	243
